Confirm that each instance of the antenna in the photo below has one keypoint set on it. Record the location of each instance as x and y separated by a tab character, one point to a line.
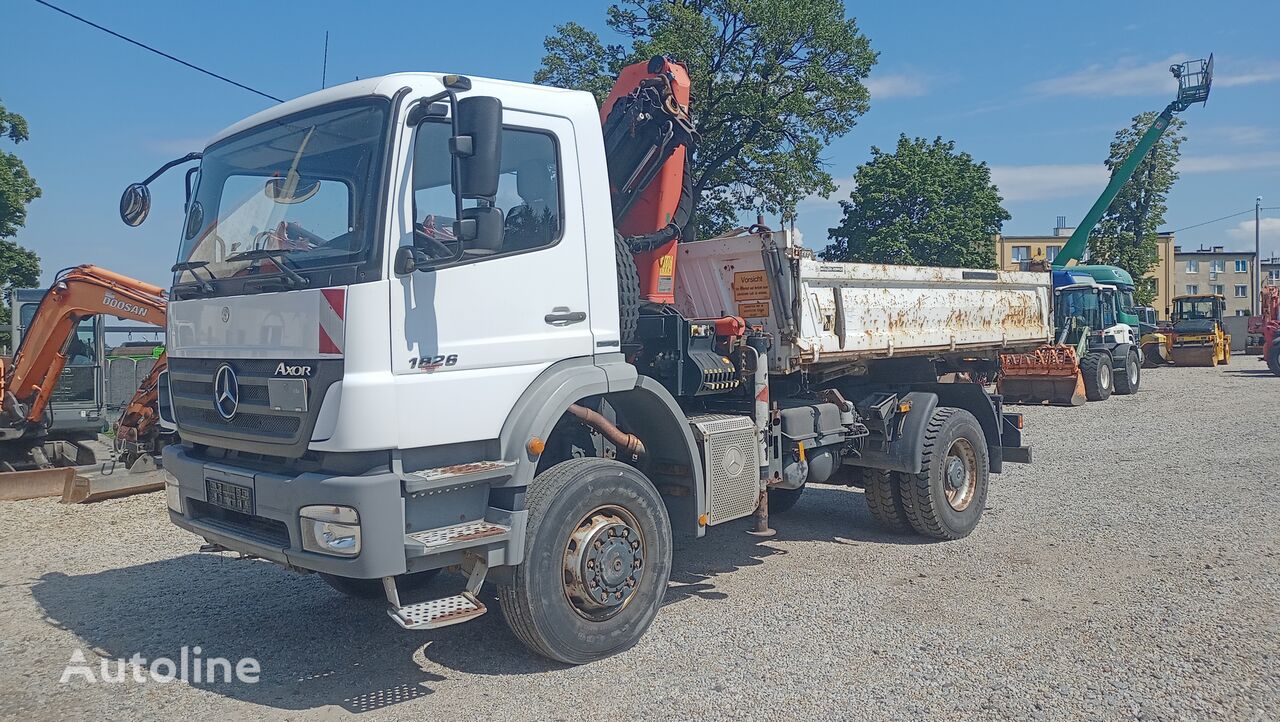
324	69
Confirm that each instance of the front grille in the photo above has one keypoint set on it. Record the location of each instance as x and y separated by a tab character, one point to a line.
204	389
255	426
268	532
285	427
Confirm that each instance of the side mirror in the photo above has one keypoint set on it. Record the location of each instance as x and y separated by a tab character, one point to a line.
481	230
135	204
478	146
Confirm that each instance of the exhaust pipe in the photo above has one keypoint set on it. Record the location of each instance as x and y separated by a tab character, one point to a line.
630	442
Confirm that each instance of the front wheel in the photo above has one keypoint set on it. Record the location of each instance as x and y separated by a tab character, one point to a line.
1130	376
945	500
1099	380
596	561
1273	359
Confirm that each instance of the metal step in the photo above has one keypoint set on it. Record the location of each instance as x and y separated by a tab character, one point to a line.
436	613
469	473
458	536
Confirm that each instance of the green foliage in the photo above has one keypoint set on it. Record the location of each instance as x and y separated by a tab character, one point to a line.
773	82
1126	235
924	204
19	267
17	187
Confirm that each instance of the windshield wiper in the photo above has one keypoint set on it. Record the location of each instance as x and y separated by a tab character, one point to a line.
202	284
277	254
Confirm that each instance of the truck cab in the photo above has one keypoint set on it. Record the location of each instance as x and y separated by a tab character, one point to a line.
406	333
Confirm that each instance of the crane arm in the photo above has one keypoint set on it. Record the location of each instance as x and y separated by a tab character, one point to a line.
1073	251
82	291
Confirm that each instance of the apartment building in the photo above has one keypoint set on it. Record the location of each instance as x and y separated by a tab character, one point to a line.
1213	269
1016	253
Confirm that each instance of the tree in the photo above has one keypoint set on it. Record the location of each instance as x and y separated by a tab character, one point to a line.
19	267
773	82
924	204
1126	235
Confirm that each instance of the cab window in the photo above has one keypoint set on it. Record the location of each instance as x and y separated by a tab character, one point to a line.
528	191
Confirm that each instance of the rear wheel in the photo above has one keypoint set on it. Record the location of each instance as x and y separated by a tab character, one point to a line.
883	494
1098	378
596	562
1127	380
945	500
1273	359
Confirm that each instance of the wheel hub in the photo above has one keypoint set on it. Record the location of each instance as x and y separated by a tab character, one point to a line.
960	475
603	563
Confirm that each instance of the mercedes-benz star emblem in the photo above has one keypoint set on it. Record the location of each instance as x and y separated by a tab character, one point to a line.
226	392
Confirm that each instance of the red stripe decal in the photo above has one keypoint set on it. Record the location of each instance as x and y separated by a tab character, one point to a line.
326	344
336	297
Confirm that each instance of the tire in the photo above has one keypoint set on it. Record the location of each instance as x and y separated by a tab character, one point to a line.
1273	359
782	500
372	588
953	436
1099	379
569	505
1128	379
628	290
883	494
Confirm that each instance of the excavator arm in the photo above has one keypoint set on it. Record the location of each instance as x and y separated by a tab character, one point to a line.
77	292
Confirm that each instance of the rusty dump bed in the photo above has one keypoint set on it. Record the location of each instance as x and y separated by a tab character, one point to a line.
834	314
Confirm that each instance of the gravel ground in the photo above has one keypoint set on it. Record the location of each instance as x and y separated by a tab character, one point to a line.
1130	572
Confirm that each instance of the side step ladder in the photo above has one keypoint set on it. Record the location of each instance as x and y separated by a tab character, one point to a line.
443	612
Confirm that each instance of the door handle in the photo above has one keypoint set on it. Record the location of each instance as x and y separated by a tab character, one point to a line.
562	316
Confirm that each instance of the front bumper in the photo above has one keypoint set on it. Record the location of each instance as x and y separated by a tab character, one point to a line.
272	531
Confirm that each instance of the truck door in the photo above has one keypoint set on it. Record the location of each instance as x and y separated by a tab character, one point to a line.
469	336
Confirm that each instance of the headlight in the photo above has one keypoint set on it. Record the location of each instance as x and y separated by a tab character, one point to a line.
330	530
172	492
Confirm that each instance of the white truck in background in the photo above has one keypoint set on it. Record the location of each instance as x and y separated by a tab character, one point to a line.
430	350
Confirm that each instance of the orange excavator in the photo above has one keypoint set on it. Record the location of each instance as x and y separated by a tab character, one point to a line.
27	381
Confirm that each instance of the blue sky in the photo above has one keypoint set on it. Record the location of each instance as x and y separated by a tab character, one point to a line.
1030	88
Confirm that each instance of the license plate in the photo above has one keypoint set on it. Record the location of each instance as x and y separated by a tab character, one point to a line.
229	496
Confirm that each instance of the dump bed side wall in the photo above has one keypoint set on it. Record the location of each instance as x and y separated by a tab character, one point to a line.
843	312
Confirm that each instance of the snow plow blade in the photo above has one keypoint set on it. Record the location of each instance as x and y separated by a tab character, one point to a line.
1194	356
1048	375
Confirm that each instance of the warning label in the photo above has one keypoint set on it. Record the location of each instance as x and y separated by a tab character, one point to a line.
753	310
750	286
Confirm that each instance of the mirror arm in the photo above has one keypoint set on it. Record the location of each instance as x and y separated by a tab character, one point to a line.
162	169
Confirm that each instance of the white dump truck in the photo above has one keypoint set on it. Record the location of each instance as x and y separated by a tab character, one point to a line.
410	330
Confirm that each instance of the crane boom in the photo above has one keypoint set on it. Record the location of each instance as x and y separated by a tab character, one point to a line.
1194	78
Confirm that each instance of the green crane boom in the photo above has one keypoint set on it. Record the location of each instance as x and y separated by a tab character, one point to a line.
1194	78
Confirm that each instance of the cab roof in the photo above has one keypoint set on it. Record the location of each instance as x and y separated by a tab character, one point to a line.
517	95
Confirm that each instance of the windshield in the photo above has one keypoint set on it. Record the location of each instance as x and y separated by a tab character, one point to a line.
305	184
1083	307
1195	308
